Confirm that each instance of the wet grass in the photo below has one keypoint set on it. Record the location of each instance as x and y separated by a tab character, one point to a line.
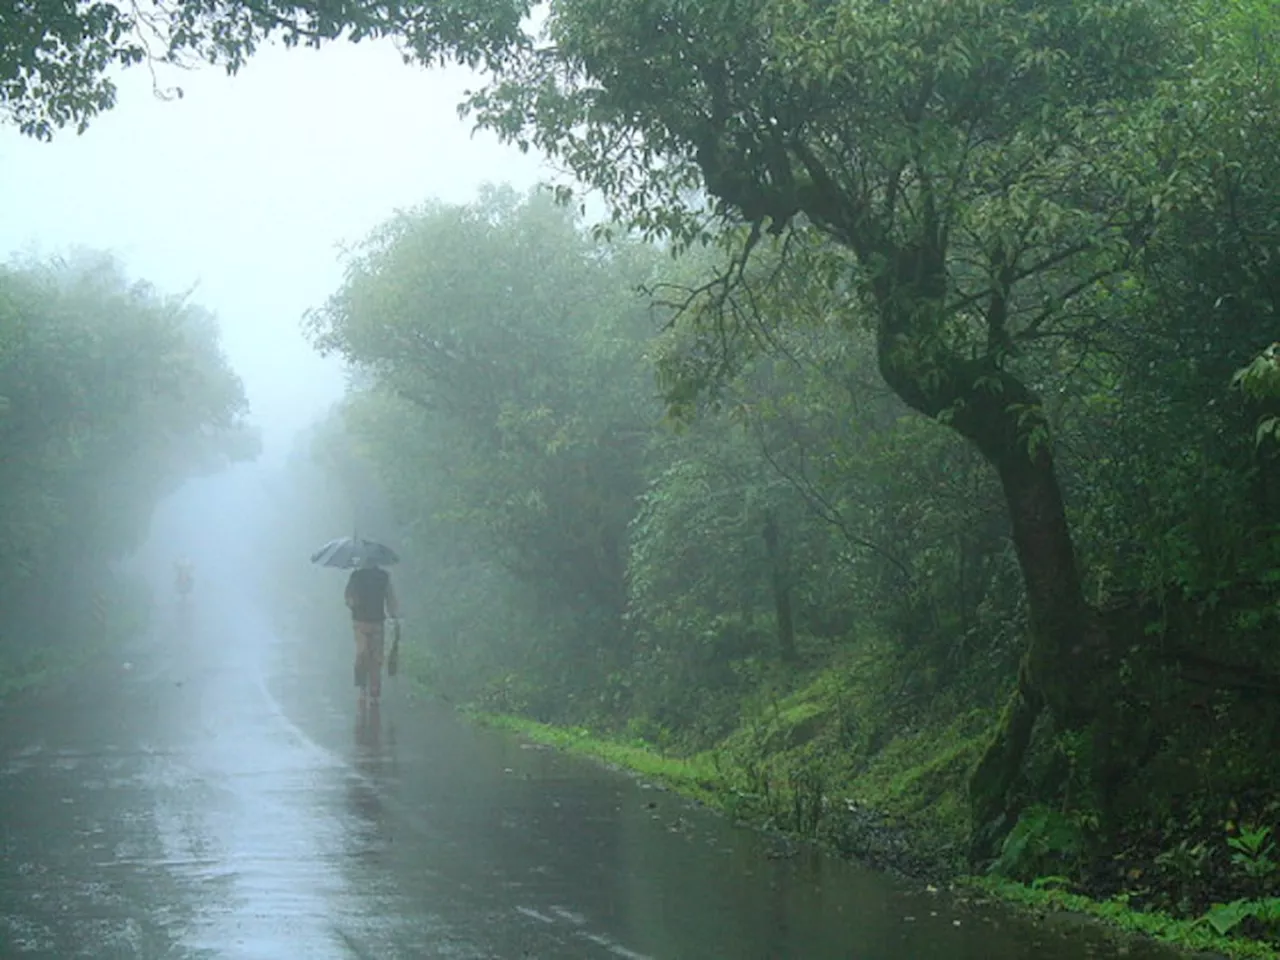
894	793
1191	935
882	807
695	777
21	675
125	614
18	676
920	775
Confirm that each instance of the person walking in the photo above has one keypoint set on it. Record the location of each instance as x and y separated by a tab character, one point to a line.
372	600
184	574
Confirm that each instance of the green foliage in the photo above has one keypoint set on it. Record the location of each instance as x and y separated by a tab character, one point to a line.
1042	839
696	777
114	394
989	174
506	419
1187	934
121	611
1260	381
1050	229
57	59
1261	378
1253	852
1225	917
1186	865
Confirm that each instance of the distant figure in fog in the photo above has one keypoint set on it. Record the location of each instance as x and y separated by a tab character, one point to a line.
184	573
371	600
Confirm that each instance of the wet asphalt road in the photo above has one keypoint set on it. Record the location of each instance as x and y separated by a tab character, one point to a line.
214	792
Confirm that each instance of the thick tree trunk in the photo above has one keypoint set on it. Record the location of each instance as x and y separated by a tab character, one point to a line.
1004	419
997	770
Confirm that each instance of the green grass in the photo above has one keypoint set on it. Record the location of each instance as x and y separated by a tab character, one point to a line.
126	615
694	777
920	776
911	775
21	676
42	668
917	776
1185	934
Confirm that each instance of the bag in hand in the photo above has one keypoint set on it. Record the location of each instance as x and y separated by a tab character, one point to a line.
393	658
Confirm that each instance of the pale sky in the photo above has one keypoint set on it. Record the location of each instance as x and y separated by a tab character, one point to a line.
248	185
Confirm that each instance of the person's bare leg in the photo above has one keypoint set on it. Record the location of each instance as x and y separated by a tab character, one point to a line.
376	643
361	668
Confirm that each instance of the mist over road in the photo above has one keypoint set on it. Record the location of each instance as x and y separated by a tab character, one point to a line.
216	793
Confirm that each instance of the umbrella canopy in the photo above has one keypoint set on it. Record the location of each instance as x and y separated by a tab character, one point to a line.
348	552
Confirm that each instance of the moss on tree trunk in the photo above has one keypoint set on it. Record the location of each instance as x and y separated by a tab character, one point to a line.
990	812
992	408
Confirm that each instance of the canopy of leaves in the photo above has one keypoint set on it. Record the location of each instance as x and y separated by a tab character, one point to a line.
507	405
1051	226
111	394
57	57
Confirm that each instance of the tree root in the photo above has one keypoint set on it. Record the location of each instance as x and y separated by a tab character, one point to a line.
992	779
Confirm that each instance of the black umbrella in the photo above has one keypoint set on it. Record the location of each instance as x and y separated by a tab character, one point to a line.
348	552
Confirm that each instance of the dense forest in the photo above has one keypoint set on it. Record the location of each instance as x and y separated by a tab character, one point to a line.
776	562
903	440
112	394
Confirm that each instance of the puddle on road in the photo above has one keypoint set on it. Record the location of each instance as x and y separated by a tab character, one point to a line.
618	866
257	813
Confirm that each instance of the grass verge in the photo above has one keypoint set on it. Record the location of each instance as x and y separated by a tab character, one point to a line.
1191	935
124	613
916	778
696	777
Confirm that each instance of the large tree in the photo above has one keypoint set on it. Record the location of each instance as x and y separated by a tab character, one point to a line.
988	174
990	167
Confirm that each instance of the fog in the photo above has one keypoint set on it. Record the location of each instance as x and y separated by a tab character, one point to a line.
893	470
244	192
